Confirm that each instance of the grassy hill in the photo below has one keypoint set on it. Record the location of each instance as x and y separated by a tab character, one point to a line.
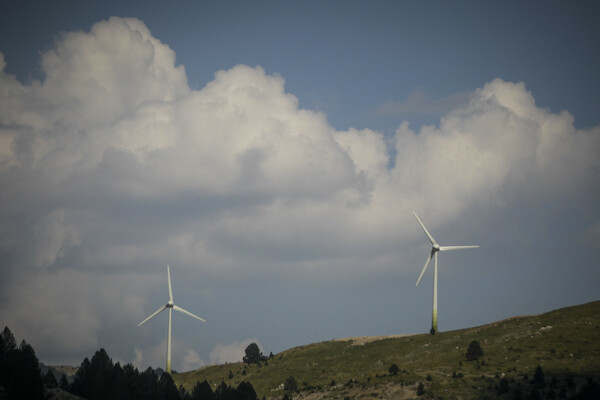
59	370
565	343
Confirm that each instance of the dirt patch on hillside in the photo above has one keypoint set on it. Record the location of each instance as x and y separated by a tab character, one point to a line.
68	370
360	340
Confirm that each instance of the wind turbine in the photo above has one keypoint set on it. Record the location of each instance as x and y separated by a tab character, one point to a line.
171	306
435	247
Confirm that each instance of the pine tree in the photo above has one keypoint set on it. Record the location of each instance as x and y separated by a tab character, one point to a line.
224	392
538	377
64	383
202	391
503	386
147	384
290	384
245	391
8	347
20	373
50	380
93	379
167	389
474	351
253	354
8	342
31	385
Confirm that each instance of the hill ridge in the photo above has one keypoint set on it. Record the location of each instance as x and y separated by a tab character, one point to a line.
565	342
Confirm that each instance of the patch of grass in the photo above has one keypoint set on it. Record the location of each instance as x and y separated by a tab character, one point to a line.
565	342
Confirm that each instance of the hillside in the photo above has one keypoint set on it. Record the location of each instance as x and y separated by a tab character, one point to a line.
565	343
59	370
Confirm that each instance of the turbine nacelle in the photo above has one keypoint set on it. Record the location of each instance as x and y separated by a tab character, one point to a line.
435	248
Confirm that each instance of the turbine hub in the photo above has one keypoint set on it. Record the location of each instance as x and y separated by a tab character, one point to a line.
170	304
435	247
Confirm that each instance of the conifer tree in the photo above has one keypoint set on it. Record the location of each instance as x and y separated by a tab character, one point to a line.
64	383
166	388
202	391
474	351
20	373
538	377
245	391
50	380
253	354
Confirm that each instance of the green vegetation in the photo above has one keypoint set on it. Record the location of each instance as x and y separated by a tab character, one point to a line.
565	344
474	351
550	356
253	354
100	379
20	374
96	379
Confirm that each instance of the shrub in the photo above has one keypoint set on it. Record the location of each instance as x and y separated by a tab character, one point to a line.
538	377
474	351
503	386
394	369
535	394
290	385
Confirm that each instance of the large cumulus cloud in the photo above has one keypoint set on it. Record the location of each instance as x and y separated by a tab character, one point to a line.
112	163
497	146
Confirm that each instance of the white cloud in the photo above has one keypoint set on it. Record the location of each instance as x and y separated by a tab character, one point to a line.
52	309
498	146
114	122
191	360
138	360
101	76
183	358
52	234
113	163
63	313
232	353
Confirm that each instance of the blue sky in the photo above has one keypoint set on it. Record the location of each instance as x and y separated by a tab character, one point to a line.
327	52
272	152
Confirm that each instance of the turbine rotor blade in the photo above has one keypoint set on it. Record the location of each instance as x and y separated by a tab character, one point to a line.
181	310
150	317
431	239
447	248
169	279
425	267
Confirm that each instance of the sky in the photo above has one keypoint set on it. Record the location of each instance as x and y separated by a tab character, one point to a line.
272	154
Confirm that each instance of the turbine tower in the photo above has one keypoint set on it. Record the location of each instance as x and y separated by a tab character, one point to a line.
171	306
435	247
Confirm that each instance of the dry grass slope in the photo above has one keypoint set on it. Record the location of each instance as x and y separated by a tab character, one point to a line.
564	342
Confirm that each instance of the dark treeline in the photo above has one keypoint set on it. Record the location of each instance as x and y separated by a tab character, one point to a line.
101	379
98	379
20	374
